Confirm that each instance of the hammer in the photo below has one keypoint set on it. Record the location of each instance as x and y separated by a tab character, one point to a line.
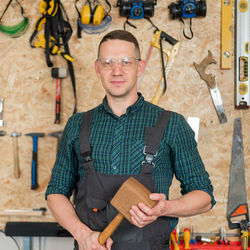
58	135
2	133
34	136
58	73
129	194
14	135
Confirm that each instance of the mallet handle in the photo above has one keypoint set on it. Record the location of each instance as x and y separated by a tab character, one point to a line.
110	228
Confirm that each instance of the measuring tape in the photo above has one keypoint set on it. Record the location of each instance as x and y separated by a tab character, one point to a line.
242	54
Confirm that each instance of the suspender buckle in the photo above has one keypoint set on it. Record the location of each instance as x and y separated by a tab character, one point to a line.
149	158
86	157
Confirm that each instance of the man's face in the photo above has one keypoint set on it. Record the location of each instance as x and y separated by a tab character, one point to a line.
119	77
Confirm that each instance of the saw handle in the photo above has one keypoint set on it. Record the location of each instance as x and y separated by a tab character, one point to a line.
111	227
168	38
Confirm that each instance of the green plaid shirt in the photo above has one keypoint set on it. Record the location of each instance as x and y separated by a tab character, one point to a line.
117	148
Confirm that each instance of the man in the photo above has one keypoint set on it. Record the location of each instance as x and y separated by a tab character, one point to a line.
122	137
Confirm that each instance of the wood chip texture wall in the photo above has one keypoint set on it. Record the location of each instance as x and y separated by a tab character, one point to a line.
29	101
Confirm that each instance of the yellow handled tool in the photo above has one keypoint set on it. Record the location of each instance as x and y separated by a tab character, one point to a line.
171	54
54	48
226	34
174	240
186	237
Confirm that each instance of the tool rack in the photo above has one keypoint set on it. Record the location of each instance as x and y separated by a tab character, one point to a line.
234	245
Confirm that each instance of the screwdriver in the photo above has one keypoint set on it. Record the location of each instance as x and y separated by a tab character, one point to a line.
174	240
186	237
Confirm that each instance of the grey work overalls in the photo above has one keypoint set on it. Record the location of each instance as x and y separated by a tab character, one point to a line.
94	193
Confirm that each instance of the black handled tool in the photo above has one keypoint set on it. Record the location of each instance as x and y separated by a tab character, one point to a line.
34	136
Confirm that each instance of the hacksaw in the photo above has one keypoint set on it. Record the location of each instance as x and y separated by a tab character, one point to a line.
226	34
242	54
170	53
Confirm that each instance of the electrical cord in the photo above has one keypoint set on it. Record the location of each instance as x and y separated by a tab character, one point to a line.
18	247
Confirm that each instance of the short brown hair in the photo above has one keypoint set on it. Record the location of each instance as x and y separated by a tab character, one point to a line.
124	36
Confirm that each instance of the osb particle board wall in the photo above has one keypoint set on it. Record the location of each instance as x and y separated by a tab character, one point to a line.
29	102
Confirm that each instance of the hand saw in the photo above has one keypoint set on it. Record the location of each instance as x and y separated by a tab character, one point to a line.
158	36
237	208
242	54
212	86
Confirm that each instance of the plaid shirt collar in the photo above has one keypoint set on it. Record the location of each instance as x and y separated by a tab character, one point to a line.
130	110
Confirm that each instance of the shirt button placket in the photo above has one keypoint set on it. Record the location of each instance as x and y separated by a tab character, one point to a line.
116	147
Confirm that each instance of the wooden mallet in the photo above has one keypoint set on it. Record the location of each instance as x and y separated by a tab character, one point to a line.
129	194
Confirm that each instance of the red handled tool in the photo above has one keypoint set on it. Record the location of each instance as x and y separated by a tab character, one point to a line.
58	74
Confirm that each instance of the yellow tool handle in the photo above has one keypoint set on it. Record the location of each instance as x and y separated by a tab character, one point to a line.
186	237
174	241
158	92
226	34
68	57
111	227
244	240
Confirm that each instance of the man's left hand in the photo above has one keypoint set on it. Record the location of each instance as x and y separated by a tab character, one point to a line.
141	215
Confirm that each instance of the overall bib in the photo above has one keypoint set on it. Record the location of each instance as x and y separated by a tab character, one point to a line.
96	190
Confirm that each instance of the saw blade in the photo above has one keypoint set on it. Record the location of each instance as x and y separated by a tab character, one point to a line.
218	103
237	196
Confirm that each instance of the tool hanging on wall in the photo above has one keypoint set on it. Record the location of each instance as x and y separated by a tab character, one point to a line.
14	136
35	137
156	42
237	208
212	86
188	9
2	133
226	34
171	54
2	123
139	9
57	32
58	74
242	27
17	30
58	136
93	18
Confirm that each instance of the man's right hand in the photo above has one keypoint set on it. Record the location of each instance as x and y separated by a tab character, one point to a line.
91	242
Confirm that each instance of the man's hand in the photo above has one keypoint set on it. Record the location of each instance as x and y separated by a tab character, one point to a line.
142	215
192	203
91	242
